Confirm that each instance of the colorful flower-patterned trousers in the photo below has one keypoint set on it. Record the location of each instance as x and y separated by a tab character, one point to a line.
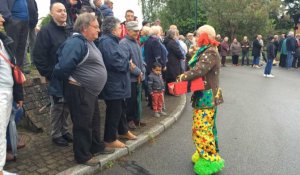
205	133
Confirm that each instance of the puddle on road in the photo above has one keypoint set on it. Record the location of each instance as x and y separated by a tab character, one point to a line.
133	168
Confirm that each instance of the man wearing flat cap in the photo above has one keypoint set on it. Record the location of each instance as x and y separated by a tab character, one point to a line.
131	47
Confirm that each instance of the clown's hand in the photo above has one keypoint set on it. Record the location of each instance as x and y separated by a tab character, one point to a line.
179	77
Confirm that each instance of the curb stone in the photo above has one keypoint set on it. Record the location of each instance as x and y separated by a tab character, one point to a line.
130	145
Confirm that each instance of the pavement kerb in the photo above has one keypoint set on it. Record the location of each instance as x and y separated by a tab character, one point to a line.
130	145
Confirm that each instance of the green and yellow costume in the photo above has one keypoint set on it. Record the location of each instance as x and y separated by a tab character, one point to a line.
205	63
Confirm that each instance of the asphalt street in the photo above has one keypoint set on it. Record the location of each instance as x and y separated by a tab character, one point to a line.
258	129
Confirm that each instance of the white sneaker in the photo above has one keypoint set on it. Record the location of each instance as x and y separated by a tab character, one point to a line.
8	173
162	113
156	114
270	76
265	75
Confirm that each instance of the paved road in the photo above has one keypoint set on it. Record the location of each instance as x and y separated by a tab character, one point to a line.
258	125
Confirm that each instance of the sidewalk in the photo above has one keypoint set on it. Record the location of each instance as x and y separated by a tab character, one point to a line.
41	156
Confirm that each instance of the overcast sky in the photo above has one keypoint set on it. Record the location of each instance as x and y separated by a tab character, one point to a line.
120	7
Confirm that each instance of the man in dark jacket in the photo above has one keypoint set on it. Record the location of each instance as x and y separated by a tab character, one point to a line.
16	15
72	7
270	57
117	87
9	90
256	51
291	44
49	39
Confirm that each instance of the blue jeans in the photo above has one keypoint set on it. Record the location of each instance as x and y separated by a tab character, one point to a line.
255	60
289	59
268	67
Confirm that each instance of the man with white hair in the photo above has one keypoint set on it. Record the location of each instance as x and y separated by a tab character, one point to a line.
291	44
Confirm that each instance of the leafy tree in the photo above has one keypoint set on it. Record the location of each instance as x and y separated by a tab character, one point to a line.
151	8
235	18
178	12
182	14
293	7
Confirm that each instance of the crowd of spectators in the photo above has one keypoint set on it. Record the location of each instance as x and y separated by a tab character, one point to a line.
87	54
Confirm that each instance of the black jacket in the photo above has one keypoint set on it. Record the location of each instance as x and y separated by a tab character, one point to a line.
291	44
48	40
72	11
256	49
270	50
153	53
33	13
174	57
17	88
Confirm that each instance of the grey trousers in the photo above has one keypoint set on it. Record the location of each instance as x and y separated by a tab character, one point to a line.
59	113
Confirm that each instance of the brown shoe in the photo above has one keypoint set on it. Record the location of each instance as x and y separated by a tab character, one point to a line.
107	150
92	162
128	136
115	144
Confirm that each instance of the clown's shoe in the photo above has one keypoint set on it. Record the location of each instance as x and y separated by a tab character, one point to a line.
206	167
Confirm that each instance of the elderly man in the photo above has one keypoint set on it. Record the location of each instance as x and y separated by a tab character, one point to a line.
291	45
81	66
49	39
9	90
117	88
129	16
106	8
131	46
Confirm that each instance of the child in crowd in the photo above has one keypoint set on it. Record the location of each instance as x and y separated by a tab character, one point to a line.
156	89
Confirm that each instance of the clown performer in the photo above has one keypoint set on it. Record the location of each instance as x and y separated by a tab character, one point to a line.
206	64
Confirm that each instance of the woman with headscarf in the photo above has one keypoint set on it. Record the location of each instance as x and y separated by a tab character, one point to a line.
206	64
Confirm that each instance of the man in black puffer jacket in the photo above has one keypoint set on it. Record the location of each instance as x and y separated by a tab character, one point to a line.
49	39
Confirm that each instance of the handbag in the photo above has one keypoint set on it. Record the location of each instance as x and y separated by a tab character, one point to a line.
178	88
197	84
17	73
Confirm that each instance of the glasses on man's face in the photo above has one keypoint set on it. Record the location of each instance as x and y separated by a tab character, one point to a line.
95	27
